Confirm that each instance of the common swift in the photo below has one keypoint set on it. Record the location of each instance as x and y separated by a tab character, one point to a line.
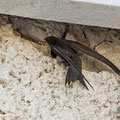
70	51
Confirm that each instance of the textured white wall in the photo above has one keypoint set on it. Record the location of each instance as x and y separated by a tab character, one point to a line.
71	11
32	86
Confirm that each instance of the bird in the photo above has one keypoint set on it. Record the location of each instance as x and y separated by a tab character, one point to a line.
70	51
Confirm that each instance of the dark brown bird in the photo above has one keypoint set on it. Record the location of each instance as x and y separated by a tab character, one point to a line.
70	52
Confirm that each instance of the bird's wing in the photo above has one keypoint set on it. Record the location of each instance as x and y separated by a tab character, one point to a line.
73	74
79	47
64	53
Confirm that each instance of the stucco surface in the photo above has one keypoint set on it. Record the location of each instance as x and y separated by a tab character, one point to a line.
32	85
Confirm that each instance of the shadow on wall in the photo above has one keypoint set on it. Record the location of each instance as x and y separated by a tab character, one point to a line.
106	41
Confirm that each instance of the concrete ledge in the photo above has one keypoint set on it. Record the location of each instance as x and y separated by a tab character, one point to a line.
88	12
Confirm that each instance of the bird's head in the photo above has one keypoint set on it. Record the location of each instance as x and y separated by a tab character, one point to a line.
51	39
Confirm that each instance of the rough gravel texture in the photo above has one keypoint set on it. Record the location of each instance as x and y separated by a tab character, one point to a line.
32	86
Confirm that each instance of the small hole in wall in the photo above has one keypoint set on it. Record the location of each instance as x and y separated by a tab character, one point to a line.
111	41
6	41
3	60
40	74
1	112
27	58
28	101
30	83
46	70
19	79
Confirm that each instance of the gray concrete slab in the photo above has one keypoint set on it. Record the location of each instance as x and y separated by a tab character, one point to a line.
94	12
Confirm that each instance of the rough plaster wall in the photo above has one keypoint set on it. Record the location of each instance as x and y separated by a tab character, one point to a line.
105	41
32	86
